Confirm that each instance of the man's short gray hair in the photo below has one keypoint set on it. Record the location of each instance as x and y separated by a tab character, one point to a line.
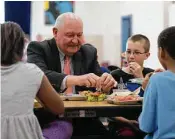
61	18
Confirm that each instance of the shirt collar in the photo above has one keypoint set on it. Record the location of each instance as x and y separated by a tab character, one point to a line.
62	55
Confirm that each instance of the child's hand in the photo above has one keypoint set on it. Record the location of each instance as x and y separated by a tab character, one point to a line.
146	80
136	69
134	122
159	70
147	77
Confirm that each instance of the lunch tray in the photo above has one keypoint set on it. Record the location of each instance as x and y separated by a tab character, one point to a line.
74	97
129	102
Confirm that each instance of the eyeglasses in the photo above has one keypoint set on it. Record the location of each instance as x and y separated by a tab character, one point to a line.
135	53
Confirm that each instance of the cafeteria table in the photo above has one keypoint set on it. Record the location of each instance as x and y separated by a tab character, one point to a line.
75	109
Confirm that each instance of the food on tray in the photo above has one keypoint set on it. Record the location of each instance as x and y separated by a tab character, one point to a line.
126	98
123	99
93	96
61	94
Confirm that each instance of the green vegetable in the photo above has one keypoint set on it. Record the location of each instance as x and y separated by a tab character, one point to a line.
101	97
92	98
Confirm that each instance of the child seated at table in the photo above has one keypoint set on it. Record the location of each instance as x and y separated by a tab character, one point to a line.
137	52
124	126
21	83
158	113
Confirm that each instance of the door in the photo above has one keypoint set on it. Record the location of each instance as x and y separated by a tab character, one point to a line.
126	30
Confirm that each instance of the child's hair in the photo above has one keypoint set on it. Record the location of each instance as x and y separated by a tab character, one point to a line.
166	40
12	43
141	38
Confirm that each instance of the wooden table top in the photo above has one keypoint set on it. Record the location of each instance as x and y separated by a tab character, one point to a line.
74	109
86	104
72	104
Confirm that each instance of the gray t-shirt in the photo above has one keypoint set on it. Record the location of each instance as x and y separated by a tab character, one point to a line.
20	83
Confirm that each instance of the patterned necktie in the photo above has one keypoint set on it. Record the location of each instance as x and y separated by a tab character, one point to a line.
67	71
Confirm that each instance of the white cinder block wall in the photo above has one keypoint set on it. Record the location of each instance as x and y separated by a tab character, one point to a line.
37	21
171	14
148	19
104	19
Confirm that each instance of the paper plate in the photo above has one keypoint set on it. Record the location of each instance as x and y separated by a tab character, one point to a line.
121	93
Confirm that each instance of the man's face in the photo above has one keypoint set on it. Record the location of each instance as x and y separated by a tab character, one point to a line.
136	53
69	36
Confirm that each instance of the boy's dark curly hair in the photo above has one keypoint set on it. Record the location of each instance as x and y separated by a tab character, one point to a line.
166	40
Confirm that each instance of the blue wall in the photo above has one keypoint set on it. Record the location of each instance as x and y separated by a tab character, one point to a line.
19	12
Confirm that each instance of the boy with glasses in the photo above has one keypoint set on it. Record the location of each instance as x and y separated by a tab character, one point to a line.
137	52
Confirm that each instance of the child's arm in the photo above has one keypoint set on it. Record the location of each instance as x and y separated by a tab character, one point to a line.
147	119
49	97
146	80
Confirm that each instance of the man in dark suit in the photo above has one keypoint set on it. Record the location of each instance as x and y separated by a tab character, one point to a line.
49	56
46	55
85	71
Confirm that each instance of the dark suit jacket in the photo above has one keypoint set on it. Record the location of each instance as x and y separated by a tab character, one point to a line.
45	55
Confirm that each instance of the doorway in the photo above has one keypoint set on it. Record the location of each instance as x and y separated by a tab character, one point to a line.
126	30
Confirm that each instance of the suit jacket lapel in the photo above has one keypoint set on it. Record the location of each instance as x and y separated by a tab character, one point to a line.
56	56
77	63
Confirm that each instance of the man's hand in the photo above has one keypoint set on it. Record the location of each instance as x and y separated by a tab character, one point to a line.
88	80
136	69
107	82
